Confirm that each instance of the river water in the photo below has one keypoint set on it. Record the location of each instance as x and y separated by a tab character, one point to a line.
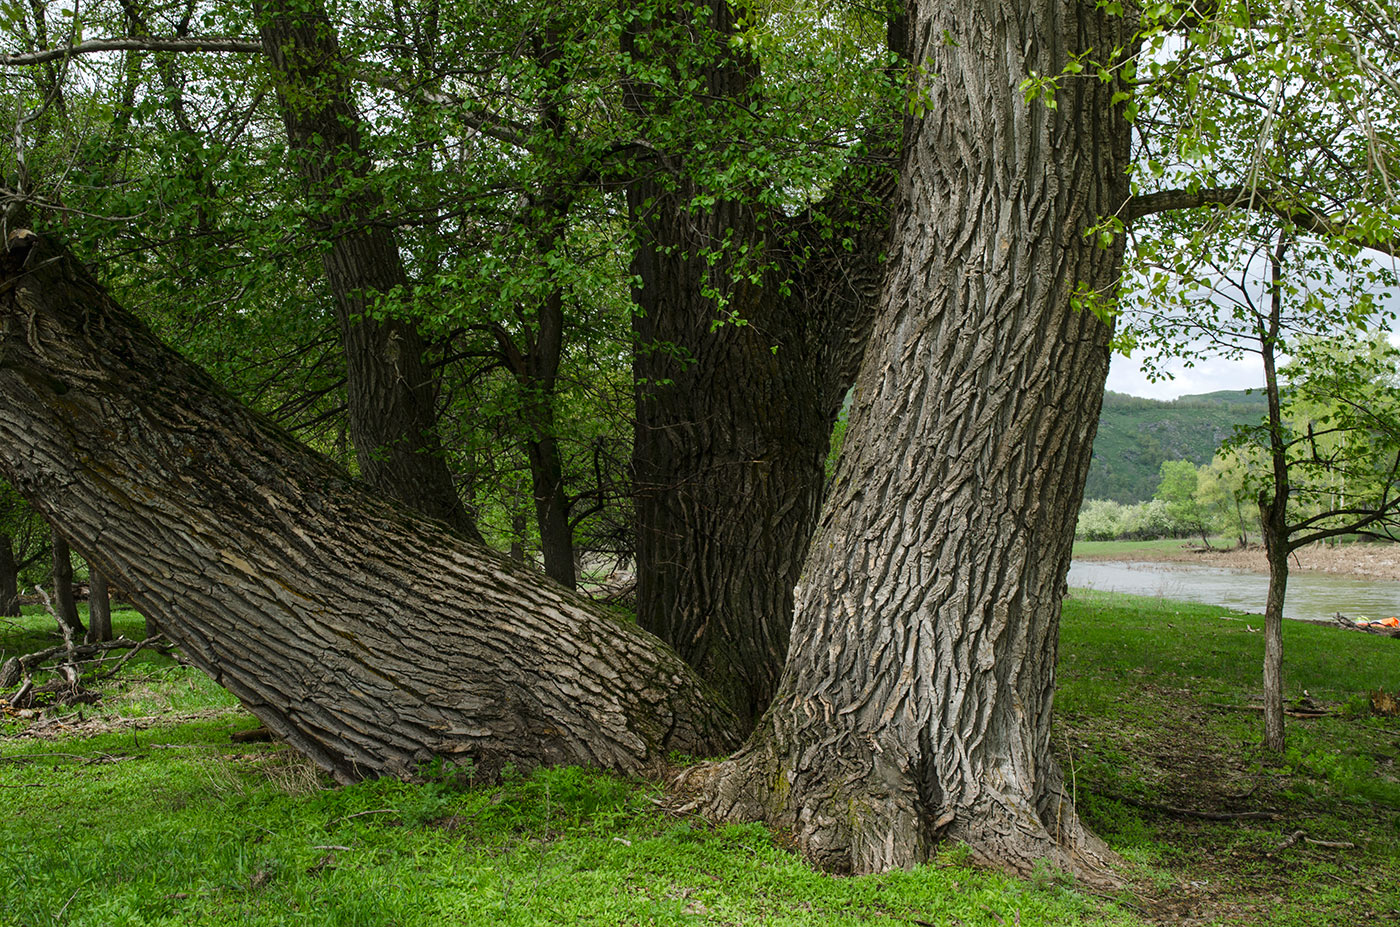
1311	596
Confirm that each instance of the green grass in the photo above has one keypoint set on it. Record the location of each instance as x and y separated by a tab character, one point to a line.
1153	712
140	810
1163	546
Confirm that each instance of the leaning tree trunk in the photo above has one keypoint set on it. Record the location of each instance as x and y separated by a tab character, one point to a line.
916	701
65	604
390	393
99	607
368	638
9	578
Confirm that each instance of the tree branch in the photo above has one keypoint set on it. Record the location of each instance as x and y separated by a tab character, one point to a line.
489	124
223	44
1259	200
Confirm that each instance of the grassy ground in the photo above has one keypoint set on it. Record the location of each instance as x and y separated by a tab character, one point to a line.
140	810
1108	549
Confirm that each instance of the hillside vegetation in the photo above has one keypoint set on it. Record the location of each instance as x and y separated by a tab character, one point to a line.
1136	435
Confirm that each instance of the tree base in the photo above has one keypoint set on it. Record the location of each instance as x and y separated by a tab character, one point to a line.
874	823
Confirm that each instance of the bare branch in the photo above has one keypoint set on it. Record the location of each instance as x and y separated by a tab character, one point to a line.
1259	200
222	44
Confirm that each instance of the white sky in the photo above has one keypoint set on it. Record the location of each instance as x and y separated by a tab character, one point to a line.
1125	376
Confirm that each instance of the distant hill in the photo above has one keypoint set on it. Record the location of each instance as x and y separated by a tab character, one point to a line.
1136	435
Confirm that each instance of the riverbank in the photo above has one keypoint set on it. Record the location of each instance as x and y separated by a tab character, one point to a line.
1360	561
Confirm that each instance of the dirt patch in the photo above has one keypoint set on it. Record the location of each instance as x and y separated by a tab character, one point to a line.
1362	561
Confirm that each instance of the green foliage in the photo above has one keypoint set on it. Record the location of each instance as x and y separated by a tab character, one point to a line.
1177	492
1338	441
1137	435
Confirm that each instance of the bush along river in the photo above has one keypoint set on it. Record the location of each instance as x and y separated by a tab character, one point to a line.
1311	596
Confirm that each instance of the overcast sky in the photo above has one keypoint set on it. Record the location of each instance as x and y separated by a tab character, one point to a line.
1125	376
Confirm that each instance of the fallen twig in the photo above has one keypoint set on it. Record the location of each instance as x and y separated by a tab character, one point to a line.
140	645
85	760
360	814
15	667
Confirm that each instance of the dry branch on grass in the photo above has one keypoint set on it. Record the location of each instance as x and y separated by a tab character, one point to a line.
15	668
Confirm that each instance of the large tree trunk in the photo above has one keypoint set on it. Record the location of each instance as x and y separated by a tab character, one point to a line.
916	701
738	382
728	462
390	393
368	638
9	578
65	604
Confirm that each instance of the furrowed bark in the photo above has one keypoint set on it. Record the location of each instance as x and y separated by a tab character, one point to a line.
9	578
916	701
99	608
736	400
367	637
1273	503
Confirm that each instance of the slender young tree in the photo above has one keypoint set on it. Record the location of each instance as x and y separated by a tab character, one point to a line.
390	391
9	578
99	607
65	604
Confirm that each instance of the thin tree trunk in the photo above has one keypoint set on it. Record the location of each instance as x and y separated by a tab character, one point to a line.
1277	552
916	701
365	636
552	511
1273	506
389	391
65	604
9	578
99	607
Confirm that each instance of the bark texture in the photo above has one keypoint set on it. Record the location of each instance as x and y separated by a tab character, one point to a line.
65	604
916	701
390	393
99	608
739	381
9	578
367	637
1273	504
